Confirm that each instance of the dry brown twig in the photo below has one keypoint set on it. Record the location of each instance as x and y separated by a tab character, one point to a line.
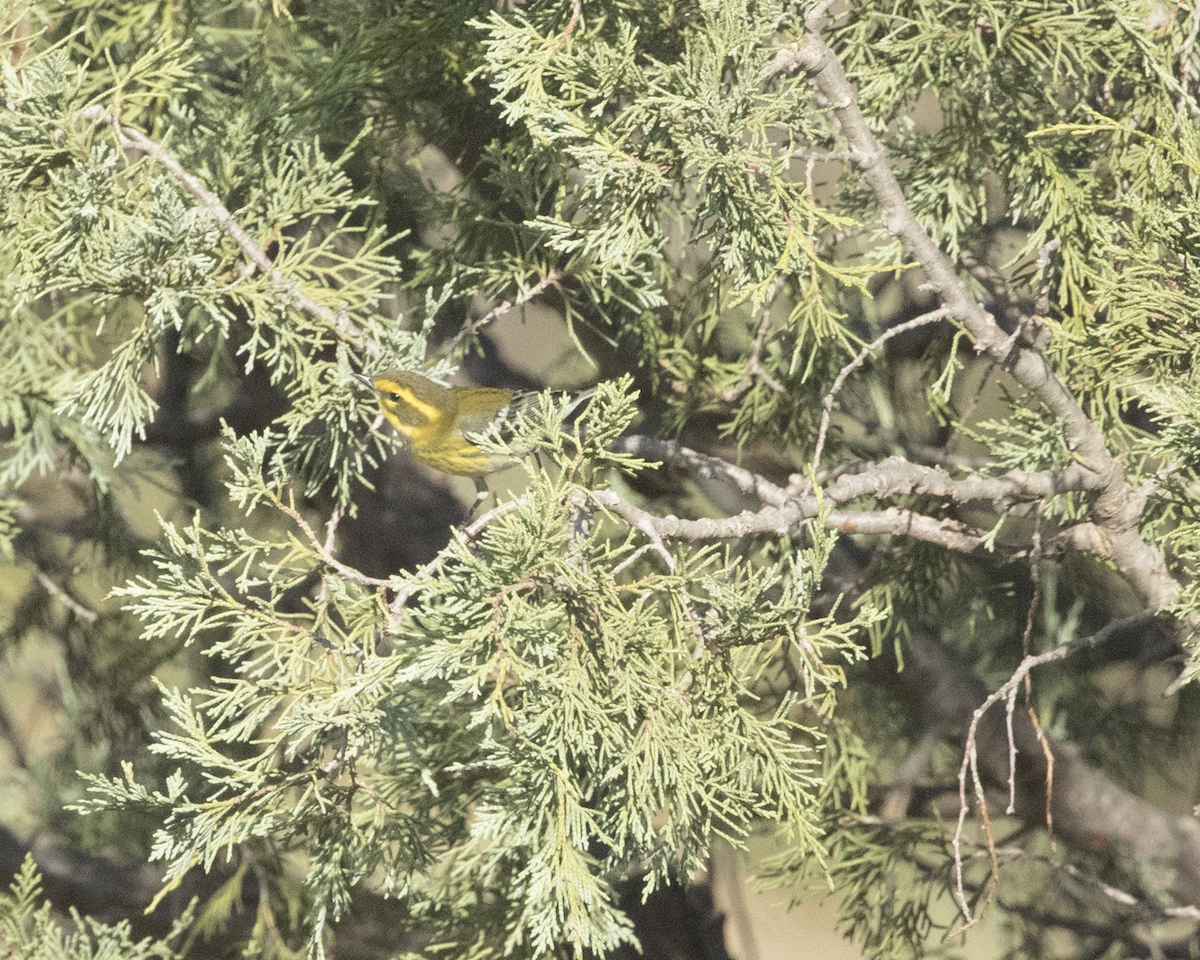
970	762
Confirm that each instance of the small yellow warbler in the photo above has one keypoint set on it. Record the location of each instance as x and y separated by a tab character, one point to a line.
437	420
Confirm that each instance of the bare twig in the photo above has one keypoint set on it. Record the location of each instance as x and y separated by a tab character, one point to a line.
947	533
655	544
817	14
479	524
324	550
825	156
766	520
60	593
892	477
895	521
1091	811
576	13
331	529
754	367
472	327
468	533
704	466
970	762
1026	638
638	519
1042	301
827	404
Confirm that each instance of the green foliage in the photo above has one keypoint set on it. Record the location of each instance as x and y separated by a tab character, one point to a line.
590	711
30	932
886	911
563	698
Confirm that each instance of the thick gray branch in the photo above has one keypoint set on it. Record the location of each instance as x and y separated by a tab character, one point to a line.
1117	506
894	477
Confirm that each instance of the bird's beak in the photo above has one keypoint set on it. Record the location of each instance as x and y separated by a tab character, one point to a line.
363	378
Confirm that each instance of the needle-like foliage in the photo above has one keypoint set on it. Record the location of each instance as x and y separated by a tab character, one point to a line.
889	308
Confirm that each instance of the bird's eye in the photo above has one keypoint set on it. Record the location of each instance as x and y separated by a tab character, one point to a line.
395	398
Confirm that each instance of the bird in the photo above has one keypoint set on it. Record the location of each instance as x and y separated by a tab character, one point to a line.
439	422
435	420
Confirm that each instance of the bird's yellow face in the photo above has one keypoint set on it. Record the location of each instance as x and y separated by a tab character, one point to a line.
414	405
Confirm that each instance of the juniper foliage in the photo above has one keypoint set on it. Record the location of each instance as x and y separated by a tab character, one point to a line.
214	217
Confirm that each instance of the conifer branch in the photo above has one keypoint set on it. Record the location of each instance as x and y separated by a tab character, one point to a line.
894	477
558	704
132	139
1117	506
